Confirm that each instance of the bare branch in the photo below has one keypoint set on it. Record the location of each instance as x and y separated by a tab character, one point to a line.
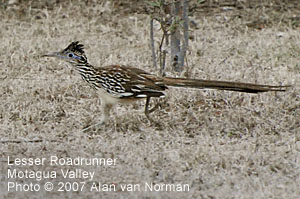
17	141
152	44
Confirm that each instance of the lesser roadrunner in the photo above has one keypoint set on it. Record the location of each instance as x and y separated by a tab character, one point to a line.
122	84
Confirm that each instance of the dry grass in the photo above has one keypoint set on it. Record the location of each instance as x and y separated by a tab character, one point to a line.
223	144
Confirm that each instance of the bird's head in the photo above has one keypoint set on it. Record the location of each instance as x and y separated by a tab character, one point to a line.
74	53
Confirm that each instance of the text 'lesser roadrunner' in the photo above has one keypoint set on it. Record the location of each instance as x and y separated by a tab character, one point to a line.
122	84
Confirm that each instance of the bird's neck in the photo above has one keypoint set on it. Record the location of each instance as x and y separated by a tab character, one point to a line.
86	70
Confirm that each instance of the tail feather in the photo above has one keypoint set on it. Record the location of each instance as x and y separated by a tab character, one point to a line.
221	85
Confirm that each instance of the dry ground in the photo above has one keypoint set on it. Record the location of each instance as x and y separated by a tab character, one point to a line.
223	144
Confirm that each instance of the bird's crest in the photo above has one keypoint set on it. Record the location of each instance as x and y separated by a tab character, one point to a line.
75	47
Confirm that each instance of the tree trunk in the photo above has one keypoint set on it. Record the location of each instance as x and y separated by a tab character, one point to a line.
175	36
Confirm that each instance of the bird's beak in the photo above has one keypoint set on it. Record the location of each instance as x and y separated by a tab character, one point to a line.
54	54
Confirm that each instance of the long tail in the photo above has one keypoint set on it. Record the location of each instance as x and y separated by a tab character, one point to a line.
221	85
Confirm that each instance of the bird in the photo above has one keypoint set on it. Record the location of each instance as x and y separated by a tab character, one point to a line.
119	84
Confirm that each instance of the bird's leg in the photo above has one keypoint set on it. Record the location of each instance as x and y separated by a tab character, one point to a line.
147	106
105	109
147	111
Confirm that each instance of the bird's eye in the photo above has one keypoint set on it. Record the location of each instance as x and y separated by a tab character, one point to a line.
70	55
